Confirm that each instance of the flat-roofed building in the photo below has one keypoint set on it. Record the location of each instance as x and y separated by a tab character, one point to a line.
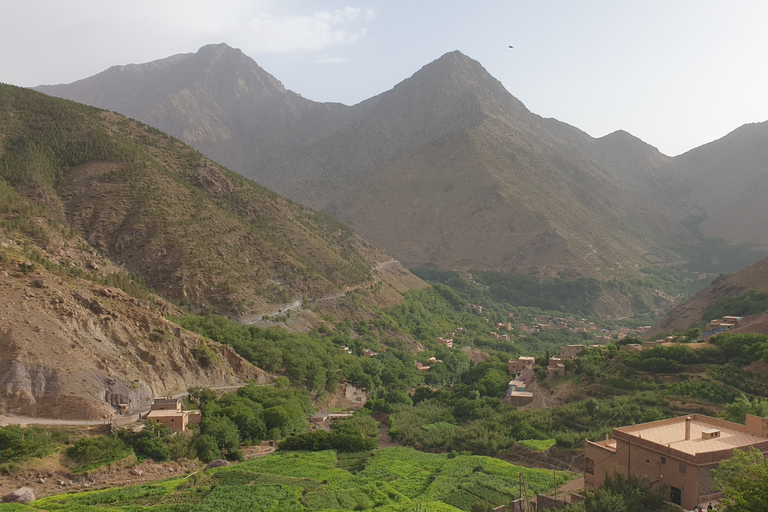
520	364
571	351
168	412
678	452
519	398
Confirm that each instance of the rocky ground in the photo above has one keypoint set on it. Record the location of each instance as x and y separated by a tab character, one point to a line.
71	348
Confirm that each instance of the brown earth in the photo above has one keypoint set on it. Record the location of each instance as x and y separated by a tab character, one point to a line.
70	348
475	355
50	475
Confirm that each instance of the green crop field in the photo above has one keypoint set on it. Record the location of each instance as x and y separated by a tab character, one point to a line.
387	480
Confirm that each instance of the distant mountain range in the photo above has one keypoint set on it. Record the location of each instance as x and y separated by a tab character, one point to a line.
449	169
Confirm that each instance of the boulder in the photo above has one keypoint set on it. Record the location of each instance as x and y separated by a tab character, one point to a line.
218	463
23	495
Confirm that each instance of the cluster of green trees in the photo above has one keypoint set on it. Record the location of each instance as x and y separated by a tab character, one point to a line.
751	302
742	480
356	434
317	361
620	493
564	294
18	444
250	415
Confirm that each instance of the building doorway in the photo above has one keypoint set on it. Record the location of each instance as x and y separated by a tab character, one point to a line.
675	495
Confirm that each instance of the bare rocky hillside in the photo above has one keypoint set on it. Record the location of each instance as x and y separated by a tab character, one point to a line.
71	348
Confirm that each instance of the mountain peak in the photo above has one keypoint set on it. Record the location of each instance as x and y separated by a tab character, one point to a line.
623	140
222	52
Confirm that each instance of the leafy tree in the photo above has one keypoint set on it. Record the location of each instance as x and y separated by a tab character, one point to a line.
738	410
149	442
98	450
224	434
21	443
742	480
620	493
208	448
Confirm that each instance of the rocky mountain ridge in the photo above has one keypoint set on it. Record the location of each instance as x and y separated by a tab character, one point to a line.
447	155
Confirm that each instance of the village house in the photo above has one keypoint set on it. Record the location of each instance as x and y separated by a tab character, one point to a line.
168	412
521	363
555	367
678	452
475	307
723	324
519	398
503	337
571	351
494	335
421	367
517	385
369	353
460	331
447	342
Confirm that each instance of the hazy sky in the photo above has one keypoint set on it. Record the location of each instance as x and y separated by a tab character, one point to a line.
676	73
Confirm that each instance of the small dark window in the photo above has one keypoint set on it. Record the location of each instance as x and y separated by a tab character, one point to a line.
648	461
589	466
683	468
664	460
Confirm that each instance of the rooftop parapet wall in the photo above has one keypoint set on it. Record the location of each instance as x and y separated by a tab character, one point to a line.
695	450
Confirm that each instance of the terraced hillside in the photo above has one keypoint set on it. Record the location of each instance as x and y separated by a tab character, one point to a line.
391	480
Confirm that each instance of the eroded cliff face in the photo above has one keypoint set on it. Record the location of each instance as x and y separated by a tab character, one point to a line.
72	349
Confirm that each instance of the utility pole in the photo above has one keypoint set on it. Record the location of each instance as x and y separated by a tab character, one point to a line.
554	479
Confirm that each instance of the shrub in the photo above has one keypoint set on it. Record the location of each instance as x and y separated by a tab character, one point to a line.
21	443
93	451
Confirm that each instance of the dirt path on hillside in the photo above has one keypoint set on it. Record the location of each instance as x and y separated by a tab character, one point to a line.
385	441
13	419
299	303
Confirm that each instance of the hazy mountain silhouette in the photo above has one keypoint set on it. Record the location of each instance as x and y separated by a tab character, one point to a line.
446	168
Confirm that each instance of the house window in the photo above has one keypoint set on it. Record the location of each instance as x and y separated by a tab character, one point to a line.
683	468
589	466
664	460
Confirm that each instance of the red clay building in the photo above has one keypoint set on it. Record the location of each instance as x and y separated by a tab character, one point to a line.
678	452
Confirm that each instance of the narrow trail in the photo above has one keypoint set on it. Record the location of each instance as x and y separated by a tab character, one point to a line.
14	419
299	303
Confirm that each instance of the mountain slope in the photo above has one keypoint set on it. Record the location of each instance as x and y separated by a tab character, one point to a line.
449	155
194	231
447	168
217	100
94	209
728	181
690	312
